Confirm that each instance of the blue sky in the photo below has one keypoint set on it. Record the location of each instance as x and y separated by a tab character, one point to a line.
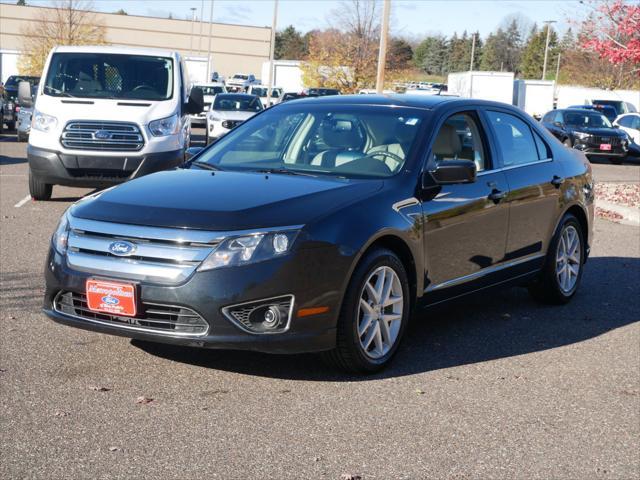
409	17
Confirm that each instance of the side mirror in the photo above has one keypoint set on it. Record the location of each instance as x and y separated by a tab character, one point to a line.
451	172
195	104
24	94
192	152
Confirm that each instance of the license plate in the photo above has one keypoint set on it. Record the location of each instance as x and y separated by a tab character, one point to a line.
111	297
605	146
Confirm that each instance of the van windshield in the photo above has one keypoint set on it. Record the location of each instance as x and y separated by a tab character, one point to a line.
102	75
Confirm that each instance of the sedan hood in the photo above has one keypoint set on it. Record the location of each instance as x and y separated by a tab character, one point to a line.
223	200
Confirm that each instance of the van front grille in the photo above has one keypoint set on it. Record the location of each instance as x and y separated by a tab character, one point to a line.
102	136
163	319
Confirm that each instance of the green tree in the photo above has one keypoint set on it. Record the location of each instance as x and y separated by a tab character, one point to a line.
291	44
121	12
399	54
492	56
459	53
21	3
533	56
431	55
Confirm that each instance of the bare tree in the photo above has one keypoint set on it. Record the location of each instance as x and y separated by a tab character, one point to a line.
69	22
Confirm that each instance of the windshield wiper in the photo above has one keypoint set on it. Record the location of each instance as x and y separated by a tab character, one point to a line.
205	165
285	171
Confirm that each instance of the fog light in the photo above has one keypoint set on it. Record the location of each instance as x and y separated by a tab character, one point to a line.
271	315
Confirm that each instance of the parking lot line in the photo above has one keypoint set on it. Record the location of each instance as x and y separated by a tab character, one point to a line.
23	201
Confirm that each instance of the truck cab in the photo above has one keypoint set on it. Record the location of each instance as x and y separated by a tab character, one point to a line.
104	115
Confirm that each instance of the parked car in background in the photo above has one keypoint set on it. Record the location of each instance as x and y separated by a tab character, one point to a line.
291	96
607	110
630	123
104	115
240	82
209	91
320	92
228	111
588	131
320	224
619	105
262	91
11	98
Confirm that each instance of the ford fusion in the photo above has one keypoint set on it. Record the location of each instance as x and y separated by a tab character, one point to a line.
318	226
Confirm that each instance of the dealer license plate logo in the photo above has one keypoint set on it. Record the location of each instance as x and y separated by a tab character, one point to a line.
111	297
605	146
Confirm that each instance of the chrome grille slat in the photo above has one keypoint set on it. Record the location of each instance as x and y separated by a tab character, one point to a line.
75	305
124	136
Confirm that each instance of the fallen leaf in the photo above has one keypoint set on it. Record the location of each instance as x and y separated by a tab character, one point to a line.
144	400
419	392
114	449
61	413
99	389
350	476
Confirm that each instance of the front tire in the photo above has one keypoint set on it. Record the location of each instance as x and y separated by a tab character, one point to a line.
562	271
374	314
39	190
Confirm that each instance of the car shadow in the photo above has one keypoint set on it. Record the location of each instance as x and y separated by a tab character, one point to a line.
479	328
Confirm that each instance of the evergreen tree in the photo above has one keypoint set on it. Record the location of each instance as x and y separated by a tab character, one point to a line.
492	56
511	47
533	56
431	55
399	55
290	44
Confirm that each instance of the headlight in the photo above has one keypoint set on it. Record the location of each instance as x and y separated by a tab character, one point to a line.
43	122
213	118
164	126
251	248
581	135
60	237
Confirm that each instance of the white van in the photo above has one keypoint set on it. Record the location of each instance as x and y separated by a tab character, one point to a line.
104	115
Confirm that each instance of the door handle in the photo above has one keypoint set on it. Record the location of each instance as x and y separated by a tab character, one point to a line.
557	181
497	195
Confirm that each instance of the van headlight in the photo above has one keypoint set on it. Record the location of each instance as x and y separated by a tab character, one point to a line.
164	126
251	248
43	122
60	238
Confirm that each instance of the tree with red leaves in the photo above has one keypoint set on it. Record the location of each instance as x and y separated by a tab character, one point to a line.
613	32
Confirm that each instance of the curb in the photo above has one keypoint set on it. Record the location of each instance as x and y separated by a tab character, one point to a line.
630	215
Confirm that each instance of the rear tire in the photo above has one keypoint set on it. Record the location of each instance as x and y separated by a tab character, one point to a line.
363	343
39	190
560	277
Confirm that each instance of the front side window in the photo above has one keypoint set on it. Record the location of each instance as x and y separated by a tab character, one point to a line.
459	139
343	141
115	76
515	139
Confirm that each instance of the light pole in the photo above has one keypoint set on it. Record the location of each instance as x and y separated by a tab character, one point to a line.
274	22
193	19
473	50
546	47
382	55
201	25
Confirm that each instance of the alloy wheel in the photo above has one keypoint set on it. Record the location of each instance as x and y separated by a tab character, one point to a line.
568	259
380	312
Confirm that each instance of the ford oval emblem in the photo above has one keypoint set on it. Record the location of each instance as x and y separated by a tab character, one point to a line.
102	135
110	300
122	248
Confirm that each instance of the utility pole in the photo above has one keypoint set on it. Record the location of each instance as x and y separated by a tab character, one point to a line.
193	19
546	47
274	22
209	62
473	50
382	55
201	25
558	67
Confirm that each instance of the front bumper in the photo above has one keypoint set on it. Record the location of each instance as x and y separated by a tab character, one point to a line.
207	293
93	171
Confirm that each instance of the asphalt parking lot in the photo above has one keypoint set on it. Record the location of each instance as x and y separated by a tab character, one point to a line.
491	387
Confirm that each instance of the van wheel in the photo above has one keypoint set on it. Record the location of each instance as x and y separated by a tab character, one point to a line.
39	190
373	316
562	271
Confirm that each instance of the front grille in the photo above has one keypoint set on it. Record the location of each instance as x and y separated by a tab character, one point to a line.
156	255
156	318
597	140
102	136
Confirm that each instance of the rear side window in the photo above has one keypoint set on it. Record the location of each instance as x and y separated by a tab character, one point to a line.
515	139
543	148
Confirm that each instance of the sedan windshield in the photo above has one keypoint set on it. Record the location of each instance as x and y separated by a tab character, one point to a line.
339	140
241	103
211	90
587	120
101	75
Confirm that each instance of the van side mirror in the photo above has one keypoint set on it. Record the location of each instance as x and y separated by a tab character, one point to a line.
450	172
24	95
195	104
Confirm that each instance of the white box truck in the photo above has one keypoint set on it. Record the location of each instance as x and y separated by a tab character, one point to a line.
496	86
287	75
534	96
